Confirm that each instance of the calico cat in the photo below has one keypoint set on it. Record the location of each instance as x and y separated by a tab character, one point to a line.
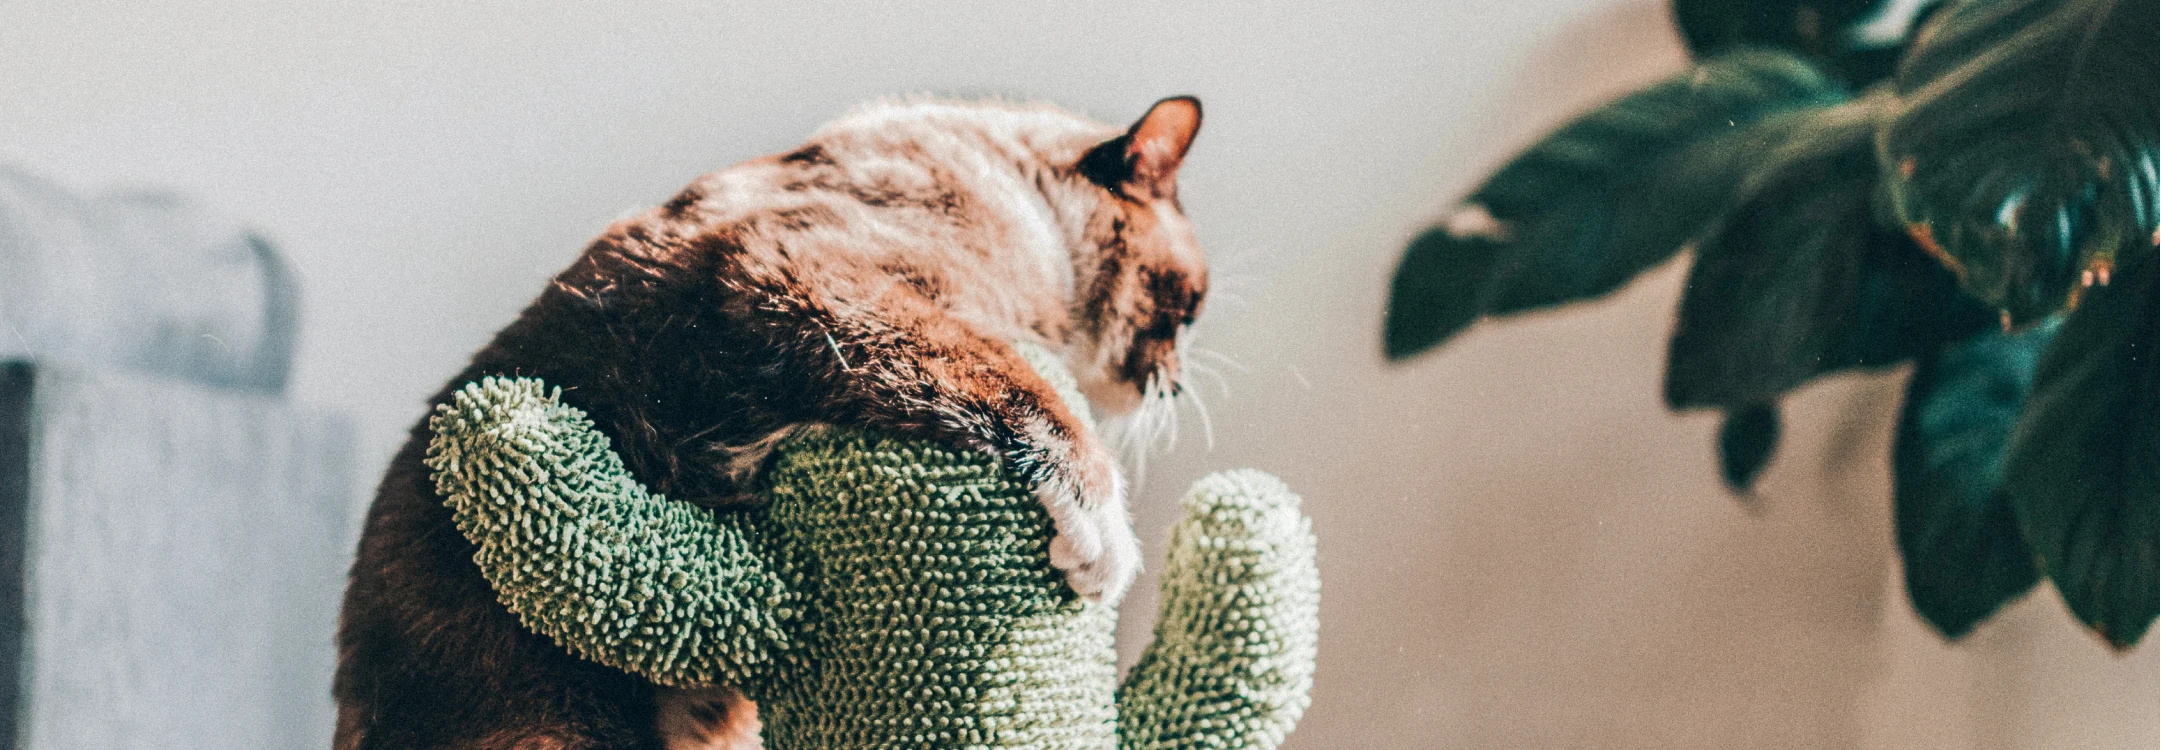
873	277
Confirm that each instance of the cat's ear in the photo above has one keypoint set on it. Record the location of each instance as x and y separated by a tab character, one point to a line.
1145	160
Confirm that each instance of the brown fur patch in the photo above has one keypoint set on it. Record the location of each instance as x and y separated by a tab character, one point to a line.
804	217
682	202
921	280
812	155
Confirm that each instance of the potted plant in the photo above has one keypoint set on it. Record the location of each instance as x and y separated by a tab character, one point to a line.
1973	191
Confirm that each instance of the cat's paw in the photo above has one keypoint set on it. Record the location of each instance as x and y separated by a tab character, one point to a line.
1093	541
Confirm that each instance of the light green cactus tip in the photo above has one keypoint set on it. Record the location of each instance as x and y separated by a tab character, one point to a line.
889	593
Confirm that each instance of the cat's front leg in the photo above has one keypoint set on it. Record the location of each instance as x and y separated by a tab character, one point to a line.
927	375
1079	483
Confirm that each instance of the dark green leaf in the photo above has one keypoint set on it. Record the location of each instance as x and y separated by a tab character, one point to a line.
2024	148
1963	554
2081	475
1875	46
1745	443
1607	196
1436	289
1604	197
1800	280
1774	289
1623	188
1907	305
1859	41
1815	27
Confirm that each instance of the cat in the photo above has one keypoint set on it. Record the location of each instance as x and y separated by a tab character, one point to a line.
874	277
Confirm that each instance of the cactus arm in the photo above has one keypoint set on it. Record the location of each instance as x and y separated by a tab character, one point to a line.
1232	659
584	555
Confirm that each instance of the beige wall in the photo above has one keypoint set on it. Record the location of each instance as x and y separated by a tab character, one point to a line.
1520	547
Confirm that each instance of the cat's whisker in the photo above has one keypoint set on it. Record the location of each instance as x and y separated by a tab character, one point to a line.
1159	398
1232	285
1233	299
1135	453
1221	358
1208	425
1153	424
1237	258
1198	360
1231	290
1201	371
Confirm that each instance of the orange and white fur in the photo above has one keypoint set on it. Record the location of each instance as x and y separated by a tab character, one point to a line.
874	277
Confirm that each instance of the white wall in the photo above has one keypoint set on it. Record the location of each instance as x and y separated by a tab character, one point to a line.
1520	547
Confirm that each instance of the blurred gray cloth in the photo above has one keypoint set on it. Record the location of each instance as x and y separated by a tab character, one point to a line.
173	534
144	281
172	558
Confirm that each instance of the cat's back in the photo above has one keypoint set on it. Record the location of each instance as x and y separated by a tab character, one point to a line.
904	164
953	200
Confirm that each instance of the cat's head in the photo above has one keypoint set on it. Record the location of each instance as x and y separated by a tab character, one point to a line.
1142	276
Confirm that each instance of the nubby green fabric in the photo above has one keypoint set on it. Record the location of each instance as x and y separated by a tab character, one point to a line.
584	555
888	593
1232	660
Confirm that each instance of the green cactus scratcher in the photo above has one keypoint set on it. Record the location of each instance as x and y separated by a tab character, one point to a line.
889	593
